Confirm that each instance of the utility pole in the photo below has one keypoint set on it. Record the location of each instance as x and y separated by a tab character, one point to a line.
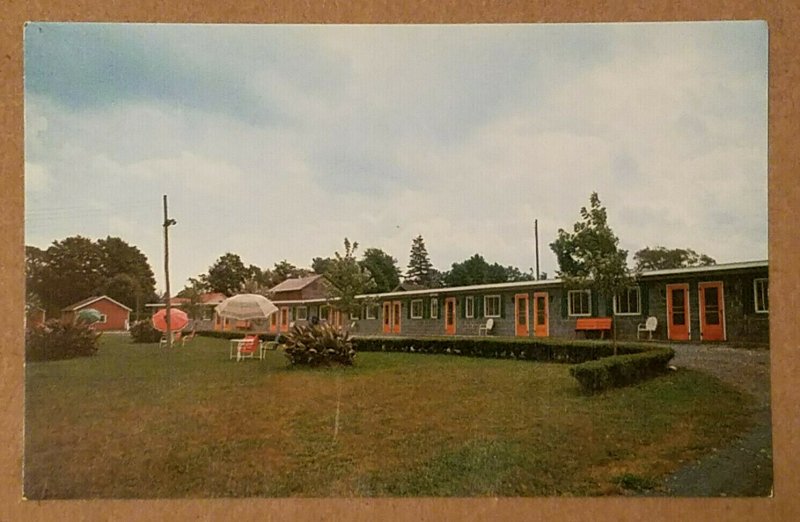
167	223
536	236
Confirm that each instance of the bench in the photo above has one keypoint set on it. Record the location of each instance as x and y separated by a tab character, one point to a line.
594	324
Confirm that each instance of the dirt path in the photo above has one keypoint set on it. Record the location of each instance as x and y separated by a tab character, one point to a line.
743	468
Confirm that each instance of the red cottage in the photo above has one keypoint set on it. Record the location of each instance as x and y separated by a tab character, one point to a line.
116	316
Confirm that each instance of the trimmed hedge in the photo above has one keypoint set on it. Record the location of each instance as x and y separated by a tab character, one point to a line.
622	370
547	350
264	336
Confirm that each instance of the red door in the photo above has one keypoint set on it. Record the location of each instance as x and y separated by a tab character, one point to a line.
284	319
273	323
541	315
521	314
678	312
712	311
450	316
397	307
387	317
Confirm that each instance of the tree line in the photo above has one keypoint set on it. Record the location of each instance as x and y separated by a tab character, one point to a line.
76	267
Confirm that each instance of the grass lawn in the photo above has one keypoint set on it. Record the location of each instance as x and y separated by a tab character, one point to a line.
136	421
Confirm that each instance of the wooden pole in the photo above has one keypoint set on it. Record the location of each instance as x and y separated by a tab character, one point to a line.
167	223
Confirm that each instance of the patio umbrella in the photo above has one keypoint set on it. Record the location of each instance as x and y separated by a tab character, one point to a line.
244	307
177	318
89	316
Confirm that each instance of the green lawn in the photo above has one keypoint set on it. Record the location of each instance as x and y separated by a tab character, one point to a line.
136	421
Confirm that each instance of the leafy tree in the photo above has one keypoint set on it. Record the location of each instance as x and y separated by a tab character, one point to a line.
419	264
349	278
476	270
125	289
120	258
285	270
321	265
590	257
227	274
383	269
659	258
514	274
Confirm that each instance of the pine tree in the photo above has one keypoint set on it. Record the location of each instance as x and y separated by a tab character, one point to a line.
420	270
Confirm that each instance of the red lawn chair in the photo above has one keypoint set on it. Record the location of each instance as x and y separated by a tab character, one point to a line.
248	348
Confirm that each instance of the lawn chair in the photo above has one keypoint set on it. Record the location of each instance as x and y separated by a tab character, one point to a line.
484	329
176	337
248	348
271	345
648	326
186	338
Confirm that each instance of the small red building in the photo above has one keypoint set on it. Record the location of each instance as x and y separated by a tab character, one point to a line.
115	315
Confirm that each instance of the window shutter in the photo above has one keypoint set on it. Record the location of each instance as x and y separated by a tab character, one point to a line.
478	306
644	296
408	311
426	308
464	307
502	307
748	296
293	309
564	301
594	297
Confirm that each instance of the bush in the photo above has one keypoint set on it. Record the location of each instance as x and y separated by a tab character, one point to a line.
622	370
318	345
548	350
55	340
144	332
217	334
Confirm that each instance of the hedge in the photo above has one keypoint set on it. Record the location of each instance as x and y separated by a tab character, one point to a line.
622	370
548	350
264	336
55	340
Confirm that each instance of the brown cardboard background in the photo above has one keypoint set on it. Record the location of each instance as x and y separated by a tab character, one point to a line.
784	212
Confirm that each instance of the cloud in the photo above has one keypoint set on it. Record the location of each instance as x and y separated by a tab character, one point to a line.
276	142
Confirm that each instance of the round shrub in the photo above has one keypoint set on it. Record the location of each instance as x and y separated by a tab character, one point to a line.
144	332
318	345
55	340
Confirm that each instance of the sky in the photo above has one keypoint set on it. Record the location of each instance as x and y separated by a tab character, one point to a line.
278	141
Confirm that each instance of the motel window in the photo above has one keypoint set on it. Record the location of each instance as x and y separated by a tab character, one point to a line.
469	306
416	309
628	302
103	318
301	313
580	302
491	306
434	308
324	312
355	315
761	289
372	311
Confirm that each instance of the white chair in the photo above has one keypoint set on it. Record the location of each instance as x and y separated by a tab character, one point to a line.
484	329
648	326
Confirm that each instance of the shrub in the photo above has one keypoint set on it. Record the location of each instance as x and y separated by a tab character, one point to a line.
621	370
55	340
218	334
318	345
144	332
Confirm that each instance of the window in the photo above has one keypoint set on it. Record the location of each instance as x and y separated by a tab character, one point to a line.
103	318
469	304
354	315
416	309
434	308
301	313
491	306
372	311
761	289
324	313
579	302
628	302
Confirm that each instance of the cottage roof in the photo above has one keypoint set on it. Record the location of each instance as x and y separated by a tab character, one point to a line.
89	300
295	284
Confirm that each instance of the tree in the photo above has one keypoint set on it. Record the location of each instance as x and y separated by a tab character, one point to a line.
590	257
134	283
227	274
383	269
659	258
285	270
348	279
419	265
476	270
321	265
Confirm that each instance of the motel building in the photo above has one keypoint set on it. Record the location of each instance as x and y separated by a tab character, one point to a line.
717	303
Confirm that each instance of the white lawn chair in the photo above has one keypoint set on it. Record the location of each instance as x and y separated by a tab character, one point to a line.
484	329
648	326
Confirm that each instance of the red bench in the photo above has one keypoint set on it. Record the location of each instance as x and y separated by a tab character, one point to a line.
594	324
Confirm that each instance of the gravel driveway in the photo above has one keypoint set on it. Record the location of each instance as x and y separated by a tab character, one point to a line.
743	468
